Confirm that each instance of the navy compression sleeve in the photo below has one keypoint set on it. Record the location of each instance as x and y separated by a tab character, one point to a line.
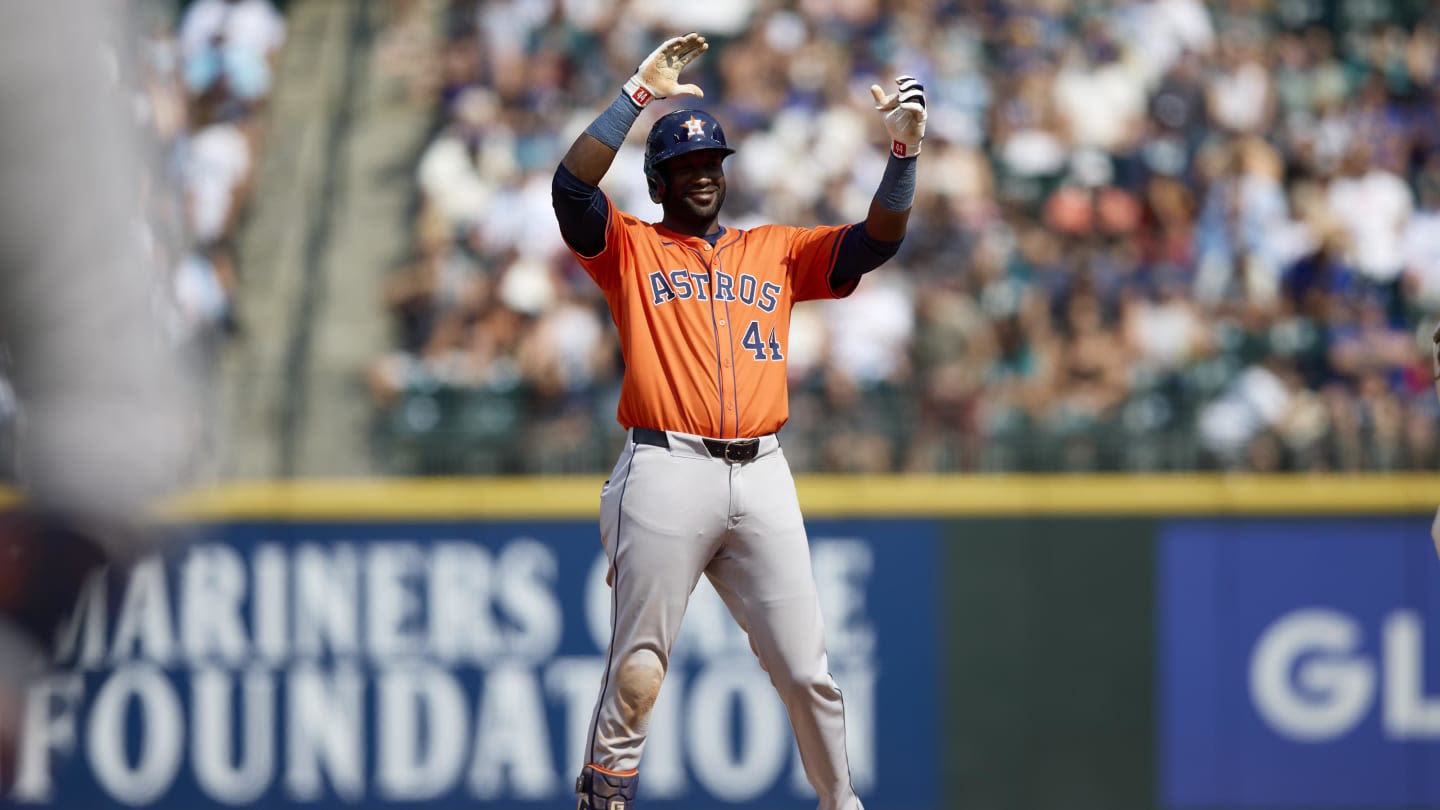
859	253
581	210
897	187
612	125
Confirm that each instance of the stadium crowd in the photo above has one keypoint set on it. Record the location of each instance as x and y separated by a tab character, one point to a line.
1149	234
201	72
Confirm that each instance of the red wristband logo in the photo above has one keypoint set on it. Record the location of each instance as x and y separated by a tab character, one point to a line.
641	96
898	149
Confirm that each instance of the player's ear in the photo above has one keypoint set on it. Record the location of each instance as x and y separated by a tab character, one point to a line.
656	186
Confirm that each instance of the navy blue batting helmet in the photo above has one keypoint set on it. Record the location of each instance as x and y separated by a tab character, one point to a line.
675	134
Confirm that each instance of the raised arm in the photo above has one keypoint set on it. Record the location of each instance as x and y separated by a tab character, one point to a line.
870	244
657	77
904	113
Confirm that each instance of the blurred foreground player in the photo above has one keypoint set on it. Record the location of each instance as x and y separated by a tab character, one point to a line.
702	486
101	397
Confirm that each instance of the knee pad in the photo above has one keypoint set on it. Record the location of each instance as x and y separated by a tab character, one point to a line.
600	789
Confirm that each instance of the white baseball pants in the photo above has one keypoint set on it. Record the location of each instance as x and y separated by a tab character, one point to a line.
669	515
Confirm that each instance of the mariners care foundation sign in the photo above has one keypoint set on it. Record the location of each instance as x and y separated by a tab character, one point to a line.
449	663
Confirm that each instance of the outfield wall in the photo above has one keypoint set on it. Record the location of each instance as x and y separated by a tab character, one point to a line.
1031	642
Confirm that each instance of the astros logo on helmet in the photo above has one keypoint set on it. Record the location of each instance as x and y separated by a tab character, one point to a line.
675	134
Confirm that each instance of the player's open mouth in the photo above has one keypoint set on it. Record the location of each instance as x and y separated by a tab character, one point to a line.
703	196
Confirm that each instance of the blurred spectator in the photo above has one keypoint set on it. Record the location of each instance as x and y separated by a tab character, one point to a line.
204	288
1255	403
217	168
871	332
1100	98
1163	33
1421	241
1241	219
1373	204
1177	124
464	167
1241	93
1162	326
234	43
1091	382
1363	342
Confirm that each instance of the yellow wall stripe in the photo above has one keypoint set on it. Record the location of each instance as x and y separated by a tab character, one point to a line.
831	496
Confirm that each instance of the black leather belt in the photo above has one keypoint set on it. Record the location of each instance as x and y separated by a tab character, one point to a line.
734	451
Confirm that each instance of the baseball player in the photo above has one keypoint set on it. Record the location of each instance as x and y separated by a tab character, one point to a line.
702	486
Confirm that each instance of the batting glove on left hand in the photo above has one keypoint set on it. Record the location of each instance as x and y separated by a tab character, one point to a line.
904	113
659	74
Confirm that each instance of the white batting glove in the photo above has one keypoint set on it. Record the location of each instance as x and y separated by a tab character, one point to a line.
904	113
659	74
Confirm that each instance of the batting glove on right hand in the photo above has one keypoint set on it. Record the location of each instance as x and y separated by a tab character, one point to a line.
659	74
904	113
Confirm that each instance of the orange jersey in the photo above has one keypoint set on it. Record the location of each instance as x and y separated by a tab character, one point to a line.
704	329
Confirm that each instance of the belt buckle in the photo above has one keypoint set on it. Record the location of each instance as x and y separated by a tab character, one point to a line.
741	450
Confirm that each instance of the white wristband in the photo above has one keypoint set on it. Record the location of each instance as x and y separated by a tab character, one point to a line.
637	92
900	149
